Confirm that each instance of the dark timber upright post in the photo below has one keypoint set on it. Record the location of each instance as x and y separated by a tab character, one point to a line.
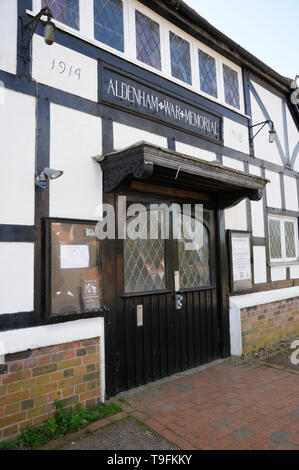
110	305
223	285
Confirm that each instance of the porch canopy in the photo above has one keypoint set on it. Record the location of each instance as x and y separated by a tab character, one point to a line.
153	165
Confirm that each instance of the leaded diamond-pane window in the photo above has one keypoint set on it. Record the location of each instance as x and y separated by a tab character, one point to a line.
180	58
275	239
65	11
148	48
194	264
283	239
207	71
109	23
290	239
144	258
231	87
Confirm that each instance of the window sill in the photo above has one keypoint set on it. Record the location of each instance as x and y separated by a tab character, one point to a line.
274	264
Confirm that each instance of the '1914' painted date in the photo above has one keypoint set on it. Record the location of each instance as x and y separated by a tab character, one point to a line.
63	68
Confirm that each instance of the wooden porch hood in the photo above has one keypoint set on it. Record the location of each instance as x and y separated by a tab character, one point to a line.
154	165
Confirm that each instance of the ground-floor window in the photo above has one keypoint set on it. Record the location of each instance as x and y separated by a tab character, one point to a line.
283	234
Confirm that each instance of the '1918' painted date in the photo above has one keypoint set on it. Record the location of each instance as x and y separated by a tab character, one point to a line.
69	70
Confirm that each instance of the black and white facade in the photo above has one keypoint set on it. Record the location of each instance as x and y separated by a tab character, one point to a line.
129	93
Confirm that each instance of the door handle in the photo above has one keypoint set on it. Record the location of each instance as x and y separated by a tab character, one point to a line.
179	301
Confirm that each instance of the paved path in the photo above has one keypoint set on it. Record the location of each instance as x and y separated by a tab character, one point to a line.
229	406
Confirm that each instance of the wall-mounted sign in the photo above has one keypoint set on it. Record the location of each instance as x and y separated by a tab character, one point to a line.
127	93
240	260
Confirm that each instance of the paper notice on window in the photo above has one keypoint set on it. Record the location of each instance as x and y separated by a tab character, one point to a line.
74	256
241	259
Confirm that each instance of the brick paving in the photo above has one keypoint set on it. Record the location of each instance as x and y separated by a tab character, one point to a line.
231	405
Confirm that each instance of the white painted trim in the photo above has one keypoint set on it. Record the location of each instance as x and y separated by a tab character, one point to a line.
252	300
129	54
51	335
282	219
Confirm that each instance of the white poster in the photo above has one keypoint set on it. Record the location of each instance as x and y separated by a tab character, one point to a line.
74	256
241	259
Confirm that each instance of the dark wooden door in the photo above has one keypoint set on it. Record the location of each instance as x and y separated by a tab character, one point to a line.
168	340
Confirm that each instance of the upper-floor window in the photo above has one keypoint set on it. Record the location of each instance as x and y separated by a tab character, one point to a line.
180	58
65	11
231	87
148	48
109	23
283	239
207	72
155	44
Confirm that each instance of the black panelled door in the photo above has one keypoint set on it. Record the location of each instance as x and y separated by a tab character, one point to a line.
167	314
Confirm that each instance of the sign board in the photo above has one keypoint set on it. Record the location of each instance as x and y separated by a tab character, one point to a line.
120	90
240	260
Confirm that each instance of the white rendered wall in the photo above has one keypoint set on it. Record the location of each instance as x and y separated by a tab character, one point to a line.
236	217
257	209
235	135
273	190
278	273
62	68
124	136
291	194
273	104
16	277
75	138
294	272
259	264
232	163
8	35
17	158
195	152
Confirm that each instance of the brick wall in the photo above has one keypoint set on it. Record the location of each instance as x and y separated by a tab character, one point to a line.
270	323
68	372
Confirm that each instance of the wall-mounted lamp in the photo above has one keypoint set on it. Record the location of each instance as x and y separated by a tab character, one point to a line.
272	131
49	26
47	174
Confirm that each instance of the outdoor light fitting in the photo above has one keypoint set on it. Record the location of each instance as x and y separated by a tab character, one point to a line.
272	132
49	26
47	174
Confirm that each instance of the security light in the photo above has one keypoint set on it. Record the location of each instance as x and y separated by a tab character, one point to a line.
272	132
47	174
49	26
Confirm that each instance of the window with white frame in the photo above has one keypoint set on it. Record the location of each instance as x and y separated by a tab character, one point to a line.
65	11
109	23
148	45
283	235
231	86
180	58
155	44
207	73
